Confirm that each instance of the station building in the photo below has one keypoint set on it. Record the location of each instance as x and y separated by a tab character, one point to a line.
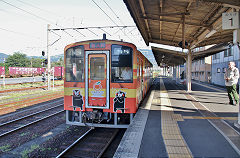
220	63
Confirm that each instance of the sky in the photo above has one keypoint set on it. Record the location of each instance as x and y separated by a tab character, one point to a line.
24	23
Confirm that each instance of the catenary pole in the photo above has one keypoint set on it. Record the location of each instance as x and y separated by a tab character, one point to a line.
48	59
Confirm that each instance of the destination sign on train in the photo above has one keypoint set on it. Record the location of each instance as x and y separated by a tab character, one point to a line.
97	45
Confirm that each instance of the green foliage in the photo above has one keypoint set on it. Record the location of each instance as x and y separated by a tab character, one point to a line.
18	60
5	148
58	63
36	62
28	151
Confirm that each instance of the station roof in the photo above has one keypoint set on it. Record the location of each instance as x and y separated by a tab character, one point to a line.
171	22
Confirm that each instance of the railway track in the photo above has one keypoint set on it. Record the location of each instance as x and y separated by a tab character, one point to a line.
25	121
92	143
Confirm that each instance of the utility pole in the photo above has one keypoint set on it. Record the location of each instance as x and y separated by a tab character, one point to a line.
4	73
48	59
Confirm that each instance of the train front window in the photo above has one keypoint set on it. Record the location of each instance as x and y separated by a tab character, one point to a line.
75	64
121	64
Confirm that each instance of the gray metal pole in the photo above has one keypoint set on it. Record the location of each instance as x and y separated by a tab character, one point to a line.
4	73
53	76
48	58
189	71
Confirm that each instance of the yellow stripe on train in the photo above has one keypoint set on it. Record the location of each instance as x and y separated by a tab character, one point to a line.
69	91
130	93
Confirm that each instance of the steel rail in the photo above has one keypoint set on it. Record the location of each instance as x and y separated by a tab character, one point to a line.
31	123
69	147
29	115
110	141
32	108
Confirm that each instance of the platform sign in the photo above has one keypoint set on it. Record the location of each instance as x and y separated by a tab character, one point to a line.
230	20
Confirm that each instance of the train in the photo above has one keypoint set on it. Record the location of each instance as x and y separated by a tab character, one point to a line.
25	71
2	71
105	82
30	71
59	72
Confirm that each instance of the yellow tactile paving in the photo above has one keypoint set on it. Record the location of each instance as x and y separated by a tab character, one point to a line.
173	142
177	117
175	145
173	137
156	101
178	156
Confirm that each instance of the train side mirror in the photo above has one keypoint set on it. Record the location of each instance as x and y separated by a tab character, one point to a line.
43	53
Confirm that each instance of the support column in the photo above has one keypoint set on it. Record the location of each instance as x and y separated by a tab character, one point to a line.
179	72
236	40
174	73
189	71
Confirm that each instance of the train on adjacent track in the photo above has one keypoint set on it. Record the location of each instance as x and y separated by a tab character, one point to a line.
105	82
30	71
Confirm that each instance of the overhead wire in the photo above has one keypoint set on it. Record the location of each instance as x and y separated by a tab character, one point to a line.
44	10
112	19
105	13
120	22
44	19
114	12
19	33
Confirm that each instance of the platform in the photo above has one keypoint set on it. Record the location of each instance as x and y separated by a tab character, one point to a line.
174	123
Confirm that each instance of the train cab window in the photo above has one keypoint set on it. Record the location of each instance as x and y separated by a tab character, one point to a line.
121	64
75	64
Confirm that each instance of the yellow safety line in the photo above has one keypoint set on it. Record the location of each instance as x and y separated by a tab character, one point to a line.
174	142
219	90
210	118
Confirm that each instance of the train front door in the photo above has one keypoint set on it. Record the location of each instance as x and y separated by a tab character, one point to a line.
97	79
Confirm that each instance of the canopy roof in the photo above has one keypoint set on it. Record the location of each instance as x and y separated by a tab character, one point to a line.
171	22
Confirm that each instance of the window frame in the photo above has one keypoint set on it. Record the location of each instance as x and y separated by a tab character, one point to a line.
112	52
83	57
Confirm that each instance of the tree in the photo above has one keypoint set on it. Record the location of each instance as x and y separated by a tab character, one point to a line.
37	62
57	63
18	60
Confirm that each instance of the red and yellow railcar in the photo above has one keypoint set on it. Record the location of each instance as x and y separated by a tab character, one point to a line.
105	81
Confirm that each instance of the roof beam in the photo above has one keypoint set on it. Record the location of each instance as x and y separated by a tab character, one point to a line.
229	2
166	42
216	26
160	22
187	8
144	14
164	34
174	21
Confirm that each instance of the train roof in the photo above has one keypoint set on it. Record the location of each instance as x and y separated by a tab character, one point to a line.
103	40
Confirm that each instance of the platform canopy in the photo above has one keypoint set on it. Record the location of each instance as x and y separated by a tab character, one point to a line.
166	57
175	22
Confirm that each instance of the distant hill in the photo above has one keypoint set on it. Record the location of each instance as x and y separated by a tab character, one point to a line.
53	58
2	56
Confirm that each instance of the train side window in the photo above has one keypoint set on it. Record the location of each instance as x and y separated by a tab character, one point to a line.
75	64
121	64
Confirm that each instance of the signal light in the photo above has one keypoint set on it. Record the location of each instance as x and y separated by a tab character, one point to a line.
45	61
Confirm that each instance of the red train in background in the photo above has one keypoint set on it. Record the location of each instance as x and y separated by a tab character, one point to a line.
58	72
30	71
25	71
2	71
